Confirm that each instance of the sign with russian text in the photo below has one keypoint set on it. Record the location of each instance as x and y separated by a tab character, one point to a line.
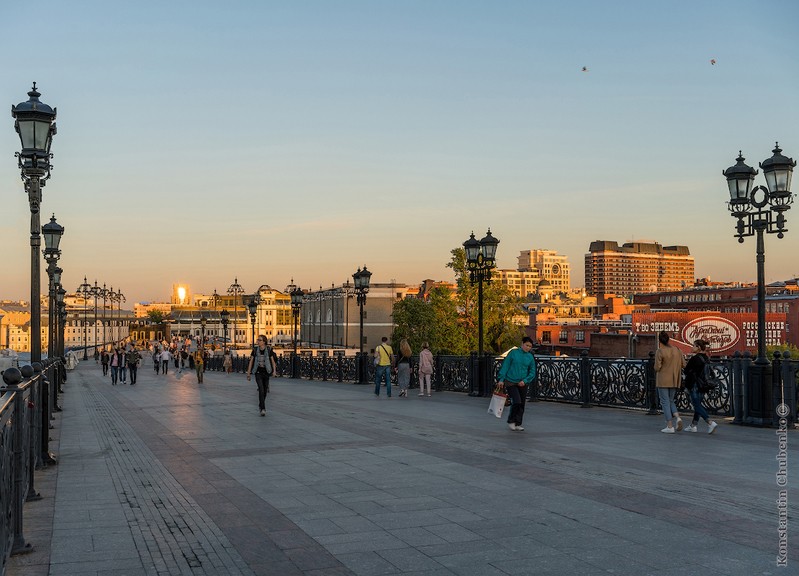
726	333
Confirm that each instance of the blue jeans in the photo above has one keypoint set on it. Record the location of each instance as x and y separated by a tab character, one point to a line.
380	373
666	396
699	410
114	374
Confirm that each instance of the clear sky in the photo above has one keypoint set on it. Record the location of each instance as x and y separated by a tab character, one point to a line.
200	141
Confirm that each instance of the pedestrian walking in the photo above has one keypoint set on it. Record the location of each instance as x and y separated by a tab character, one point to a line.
115	361
104	361
669	363
156	360
263	362
425	369
166	356
123	365
404	367
133	360
96	356
517	371
694	380
199	364
227	362
384	362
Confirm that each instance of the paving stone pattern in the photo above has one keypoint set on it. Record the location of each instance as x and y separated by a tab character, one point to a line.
175	477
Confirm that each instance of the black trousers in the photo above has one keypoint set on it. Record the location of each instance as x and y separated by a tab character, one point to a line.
262	379
133	369
518	397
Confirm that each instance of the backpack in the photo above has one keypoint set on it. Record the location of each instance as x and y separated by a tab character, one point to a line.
709	379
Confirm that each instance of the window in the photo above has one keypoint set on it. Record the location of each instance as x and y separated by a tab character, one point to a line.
563	337
579	336
546	337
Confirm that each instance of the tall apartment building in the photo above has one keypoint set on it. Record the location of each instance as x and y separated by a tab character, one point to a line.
636	268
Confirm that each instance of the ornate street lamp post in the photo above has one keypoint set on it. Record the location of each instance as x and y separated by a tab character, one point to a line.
96	292
480	260
104	293
361	279
85	290
203	322
34	121
296	306
224	315
758	210
52	233
62	317
235	290
120	300
112	297
252	307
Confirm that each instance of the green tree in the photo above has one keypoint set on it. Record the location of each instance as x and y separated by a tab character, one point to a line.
782	348
155	316
414	320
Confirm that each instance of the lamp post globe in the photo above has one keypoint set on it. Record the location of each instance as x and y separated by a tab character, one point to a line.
759	210
252	308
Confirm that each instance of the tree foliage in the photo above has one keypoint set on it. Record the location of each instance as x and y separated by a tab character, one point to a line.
450	322
155	316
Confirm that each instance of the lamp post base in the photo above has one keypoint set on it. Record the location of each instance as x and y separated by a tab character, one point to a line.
757	396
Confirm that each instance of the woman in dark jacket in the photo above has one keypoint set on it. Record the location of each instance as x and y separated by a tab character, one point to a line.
694	376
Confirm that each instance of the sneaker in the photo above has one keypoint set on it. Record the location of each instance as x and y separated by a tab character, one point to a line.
711	427
420	395
428	395
691	428
668	430
263	412
519	428
512	426
679	424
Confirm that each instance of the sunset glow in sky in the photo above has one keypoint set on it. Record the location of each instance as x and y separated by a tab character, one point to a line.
201	141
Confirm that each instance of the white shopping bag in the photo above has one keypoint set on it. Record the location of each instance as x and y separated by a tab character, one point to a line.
497	404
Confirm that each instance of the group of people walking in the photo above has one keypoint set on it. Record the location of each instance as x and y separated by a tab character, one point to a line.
670	365
119	362
385	362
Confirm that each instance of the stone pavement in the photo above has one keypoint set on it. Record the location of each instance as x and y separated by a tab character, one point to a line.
175	477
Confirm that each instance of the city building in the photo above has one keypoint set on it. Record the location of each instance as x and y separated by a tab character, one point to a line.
551	266
734	302
330	318
539	273
636	267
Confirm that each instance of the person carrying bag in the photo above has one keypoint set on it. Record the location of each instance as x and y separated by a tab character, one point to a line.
517	371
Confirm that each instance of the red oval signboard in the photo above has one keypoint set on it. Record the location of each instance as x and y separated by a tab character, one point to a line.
722	334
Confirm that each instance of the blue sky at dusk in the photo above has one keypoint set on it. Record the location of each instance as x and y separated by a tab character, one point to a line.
201	141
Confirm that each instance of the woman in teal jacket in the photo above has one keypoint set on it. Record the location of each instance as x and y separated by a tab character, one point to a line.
517	371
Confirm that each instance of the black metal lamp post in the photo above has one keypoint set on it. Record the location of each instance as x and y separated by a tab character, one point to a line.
203	322
96	292
85	290
252	308
480	260
224	315
104	293
120	299
34	121
361	279
758	210
62	317
235	290
296	306
112	297
52	233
